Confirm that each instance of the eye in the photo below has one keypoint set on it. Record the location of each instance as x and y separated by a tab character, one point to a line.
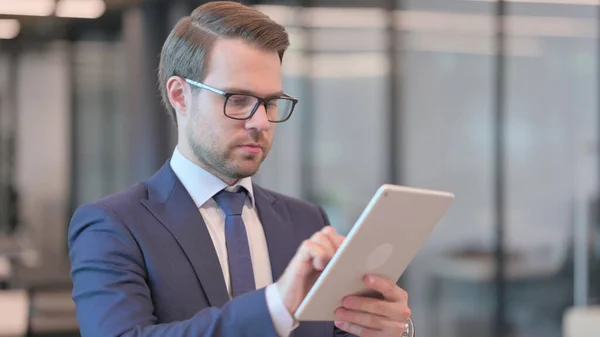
241	100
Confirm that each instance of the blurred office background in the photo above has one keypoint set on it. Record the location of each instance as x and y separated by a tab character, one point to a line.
496	101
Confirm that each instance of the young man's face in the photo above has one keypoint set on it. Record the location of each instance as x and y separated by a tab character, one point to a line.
233	149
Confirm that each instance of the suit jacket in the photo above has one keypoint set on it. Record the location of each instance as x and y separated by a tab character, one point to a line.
143	264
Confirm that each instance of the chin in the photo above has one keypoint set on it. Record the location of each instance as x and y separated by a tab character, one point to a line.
247	168
240	173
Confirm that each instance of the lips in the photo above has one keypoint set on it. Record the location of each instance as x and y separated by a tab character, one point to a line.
251	148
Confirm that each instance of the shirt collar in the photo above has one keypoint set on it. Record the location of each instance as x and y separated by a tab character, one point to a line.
201	184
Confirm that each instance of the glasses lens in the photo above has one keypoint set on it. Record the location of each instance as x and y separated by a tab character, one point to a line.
283	109
240	106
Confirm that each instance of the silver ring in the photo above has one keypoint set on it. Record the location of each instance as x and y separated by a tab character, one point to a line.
409	329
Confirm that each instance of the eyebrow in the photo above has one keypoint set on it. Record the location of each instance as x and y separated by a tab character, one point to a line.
248	92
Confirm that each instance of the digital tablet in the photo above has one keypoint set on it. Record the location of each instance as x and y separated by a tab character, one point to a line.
383	241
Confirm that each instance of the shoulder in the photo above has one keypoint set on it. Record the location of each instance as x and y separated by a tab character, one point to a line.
113	208
125	199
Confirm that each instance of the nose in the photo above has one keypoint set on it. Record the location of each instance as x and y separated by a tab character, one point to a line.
259	120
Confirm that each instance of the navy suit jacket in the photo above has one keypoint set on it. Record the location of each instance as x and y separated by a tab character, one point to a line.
143	264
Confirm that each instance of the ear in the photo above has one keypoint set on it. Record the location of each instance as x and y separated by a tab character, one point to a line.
179	94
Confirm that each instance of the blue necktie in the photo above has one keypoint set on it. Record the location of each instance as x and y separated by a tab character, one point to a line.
238	251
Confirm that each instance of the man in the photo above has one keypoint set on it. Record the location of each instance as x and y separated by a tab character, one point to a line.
194	251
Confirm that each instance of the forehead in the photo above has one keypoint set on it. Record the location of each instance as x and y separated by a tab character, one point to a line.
235	63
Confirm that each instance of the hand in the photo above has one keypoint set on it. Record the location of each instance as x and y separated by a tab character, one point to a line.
306	266
370	317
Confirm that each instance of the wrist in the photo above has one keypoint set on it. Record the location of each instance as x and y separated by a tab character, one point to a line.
290	301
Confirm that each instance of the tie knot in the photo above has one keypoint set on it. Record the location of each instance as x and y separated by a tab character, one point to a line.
231	203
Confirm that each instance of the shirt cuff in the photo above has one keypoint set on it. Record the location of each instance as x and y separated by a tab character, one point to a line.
282	320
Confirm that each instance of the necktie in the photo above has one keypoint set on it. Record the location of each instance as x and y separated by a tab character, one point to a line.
238	250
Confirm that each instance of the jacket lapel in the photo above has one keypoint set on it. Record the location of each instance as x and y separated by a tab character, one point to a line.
278	229
171	204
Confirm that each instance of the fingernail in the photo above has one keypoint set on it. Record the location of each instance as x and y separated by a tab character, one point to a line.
340	324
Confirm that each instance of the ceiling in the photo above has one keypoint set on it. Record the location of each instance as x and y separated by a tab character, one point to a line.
55	27
43	27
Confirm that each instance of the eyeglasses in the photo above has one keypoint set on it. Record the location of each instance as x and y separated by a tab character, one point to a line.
243	106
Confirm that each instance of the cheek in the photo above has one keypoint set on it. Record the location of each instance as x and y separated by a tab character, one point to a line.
215	132
206	121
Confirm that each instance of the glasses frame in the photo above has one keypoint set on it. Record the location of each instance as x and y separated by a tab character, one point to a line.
260	100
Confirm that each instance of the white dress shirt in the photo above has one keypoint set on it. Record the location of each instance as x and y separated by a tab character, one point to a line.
202	186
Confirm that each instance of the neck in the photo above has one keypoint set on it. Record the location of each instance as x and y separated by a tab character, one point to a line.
189	154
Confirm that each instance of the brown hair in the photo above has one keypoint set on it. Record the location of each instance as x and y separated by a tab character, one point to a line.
186	49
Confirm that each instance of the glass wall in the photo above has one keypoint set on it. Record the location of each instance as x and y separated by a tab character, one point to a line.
551	169
7	124
336	150
446	142
102	123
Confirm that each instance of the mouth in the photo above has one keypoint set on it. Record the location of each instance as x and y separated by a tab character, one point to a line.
251	148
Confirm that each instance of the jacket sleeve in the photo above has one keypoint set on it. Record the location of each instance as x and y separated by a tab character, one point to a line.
112	296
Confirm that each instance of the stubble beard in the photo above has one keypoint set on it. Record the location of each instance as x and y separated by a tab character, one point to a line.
224	165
